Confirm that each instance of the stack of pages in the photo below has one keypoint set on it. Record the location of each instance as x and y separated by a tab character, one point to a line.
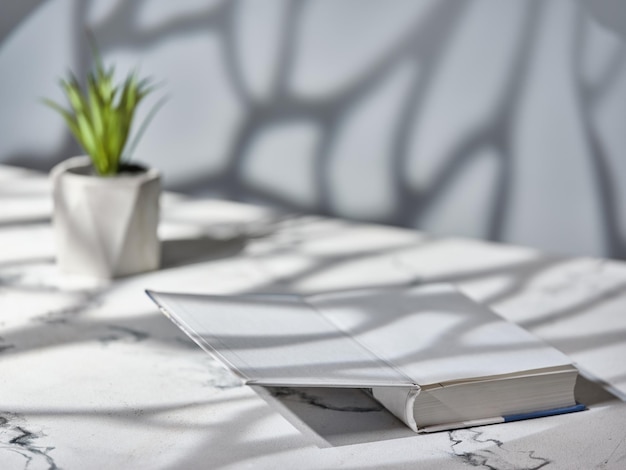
433	357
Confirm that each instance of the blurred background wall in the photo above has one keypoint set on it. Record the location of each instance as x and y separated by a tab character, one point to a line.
503	120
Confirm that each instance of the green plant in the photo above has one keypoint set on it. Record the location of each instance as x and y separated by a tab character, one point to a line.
101	115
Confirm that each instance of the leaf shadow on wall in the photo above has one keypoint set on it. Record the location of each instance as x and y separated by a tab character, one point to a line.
425	45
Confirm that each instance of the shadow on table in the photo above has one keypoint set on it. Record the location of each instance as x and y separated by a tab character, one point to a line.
594	392
333	417
186	251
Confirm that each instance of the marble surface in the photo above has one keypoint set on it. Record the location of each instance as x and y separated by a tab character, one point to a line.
93	376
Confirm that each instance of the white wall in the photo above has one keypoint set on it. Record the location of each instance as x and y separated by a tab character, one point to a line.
495	119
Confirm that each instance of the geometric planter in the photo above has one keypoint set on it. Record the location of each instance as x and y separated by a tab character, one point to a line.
105	227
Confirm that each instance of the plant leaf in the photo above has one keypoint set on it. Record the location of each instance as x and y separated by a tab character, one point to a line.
100	115
144	125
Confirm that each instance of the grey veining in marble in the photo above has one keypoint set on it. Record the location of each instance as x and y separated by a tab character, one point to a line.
496	457
93	376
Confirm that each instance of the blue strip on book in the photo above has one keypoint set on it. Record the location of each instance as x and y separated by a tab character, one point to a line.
541	414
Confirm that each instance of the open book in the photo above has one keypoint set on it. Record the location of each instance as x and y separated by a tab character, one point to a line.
433	357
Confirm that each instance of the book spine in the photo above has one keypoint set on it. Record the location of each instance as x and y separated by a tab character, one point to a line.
400	402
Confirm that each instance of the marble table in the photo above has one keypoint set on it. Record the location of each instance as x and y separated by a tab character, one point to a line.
93	376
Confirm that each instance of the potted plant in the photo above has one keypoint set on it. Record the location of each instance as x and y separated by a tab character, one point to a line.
106	210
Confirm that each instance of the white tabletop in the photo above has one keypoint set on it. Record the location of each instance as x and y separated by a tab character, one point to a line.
93	376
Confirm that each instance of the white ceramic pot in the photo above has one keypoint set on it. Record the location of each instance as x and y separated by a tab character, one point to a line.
105	227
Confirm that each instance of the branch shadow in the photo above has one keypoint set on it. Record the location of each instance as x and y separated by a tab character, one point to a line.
425	44
185	251
329	418
322	412
590	97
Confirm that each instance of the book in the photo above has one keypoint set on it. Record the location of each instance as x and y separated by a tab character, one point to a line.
433	357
